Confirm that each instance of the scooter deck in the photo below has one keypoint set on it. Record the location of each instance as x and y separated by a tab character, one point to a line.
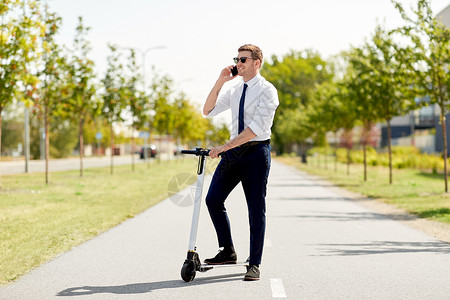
207	267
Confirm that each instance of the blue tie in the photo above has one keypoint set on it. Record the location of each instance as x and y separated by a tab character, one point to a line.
241	110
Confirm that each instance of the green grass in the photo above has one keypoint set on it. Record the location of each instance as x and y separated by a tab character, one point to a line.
418	192
37	222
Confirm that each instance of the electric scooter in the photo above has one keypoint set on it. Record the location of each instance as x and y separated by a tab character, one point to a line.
192	264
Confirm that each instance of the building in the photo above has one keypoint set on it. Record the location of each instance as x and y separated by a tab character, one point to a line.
444	16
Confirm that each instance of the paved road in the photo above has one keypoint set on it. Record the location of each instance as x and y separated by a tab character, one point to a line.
319	245
64	164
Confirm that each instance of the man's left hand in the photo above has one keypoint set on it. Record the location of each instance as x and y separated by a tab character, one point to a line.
214	153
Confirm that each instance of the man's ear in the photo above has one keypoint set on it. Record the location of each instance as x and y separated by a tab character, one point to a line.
258	64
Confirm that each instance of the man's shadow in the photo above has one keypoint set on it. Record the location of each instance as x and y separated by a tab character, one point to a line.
146	287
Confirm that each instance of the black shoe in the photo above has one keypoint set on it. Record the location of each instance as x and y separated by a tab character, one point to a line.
222	258
252	273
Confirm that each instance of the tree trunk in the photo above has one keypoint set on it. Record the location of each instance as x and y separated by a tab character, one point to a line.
80	137
335	152
444	136
389	150
112	150
132	150
348	160
1	110
47	144
365	161
150	141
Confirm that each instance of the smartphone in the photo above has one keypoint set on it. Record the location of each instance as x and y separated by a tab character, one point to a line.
234	71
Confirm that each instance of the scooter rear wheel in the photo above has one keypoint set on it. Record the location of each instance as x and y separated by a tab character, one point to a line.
188	271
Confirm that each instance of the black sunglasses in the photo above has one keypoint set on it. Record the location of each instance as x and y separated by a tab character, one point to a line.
242	59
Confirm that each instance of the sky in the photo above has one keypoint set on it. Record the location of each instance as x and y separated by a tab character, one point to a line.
200	37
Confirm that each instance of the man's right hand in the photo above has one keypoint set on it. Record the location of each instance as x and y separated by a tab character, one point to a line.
226	75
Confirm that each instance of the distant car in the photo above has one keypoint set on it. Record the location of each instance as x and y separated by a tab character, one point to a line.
150	149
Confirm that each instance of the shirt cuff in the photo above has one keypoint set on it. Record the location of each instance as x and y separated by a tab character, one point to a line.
212	113
256	129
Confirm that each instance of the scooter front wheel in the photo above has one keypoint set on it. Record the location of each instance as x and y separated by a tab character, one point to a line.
188	271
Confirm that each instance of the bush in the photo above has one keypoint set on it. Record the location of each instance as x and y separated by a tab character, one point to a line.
402	157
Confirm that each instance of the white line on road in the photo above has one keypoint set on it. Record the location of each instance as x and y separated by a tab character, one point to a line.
277	288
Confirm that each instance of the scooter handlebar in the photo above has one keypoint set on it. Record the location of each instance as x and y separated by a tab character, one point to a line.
188	152
197	152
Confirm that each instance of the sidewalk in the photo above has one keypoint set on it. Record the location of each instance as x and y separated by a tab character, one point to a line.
319	245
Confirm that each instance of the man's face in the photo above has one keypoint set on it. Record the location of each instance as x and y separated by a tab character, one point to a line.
250	67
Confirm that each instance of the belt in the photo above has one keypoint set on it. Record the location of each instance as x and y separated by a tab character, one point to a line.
254	143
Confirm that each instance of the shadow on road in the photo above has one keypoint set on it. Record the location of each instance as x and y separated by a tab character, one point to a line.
383	247
146	287
350	216
326	198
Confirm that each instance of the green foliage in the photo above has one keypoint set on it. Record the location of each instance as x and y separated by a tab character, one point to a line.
20	29
14	136
427	55
54	73
402	157
79	101
163	119
113	83
321	151
189	124
63	135
295	76
219	134
135	100
294	126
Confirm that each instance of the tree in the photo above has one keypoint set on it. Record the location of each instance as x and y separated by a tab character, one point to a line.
348	117
327	112
163	119
162	92
63	135
358	81
134	99
295	76
184	118
428	56
387	80
113	103
19	31
53	75
220	134
79	104
12	126
294	126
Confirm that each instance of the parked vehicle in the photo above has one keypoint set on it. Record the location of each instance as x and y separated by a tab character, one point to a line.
150	149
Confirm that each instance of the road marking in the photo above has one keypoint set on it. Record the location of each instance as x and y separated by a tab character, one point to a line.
267	243
277	288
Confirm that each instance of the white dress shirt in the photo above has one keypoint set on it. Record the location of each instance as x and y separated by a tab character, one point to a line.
261	101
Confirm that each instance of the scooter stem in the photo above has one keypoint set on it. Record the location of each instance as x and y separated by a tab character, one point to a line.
198	194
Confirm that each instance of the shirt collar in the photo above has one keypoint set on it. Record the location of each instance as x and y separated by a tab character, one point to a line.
254	80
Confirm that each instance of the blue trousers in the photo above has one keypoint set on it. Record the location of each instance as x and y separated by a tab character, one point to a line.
249	165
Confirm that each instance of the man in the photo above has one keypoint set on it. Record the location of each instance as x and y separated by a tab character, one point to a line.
246	157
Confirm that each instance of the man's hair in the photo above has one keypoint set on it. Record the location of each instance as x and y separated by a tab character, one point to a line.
255	50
